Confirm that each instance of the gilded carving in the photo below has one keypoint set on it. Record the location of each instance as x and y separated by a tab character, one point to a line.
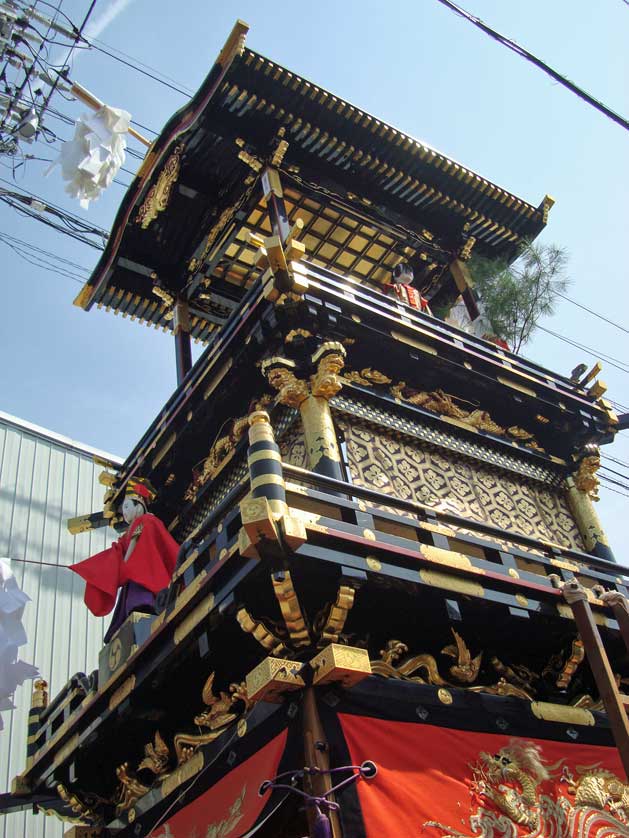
39	697
366	377
513	679
585	478
295	334
330	359
130	788
221	712
443	404
291	610
86	806
221	450
287	640
266	638
411	469
156	755
279	372
519	789
331	622
311	398
464	670
158	195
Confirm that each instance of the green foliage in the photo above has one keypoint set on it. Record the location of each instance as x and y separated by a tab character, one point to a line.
515	297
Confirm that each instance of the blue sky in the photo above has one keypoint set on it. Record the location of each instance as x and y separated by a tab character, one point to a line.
101	379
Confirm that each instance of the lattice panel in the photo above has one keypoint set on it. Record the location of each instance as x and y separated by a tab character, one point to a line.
333	239
412	470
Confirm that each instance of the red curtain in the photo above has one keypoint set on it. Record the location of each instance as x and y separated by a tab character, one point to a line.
232	805
446	783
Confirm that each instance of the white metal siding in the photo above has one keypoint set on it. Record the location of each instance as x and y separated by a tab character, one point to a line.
44	480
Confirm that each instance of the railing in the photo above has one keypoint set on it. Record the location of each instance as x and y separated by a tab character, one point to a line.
343	507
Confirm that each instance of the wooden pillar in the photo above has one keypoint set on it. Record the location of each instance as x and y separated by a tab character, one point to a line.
265	464
183	349
316	755
39	702
463	281
274	197
588	522
312	399
576	597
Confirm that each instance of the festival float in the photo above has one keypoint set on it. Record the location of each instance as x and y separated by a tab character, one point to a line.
364	590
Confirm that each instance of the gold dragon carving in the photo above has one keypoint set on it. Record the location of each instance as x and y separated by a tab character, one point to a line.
519	790
513	680
443	404
221	450
220	713
158	195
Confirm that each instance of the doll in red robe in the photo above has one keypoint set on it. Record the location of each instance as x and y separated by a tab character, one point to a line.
402	288
140	563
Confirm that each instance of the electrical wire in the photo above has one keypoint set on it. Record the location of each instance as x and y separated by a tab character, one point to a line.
140	70
40	262
64	227
77	38
593	313
613	362
615	491
615	460
142	64
617	473
541	65
35	248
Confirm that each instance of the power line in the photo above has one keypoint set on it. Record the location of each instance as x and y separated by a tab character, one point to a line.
45	253
78	36
594	313
615	491
143	64
617	473
613	362
67	226
40	262
614	482
140	70
615	460
528	56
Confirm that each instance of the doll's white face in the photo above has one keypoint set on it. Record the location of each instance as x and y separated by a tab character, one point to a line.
131	510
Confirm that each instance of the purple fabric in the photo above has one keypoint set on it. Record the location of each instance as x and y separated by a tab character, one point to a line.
322	828
132	597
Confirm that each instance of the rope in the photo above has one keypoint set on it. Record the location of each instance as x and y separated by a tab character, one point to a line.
320	803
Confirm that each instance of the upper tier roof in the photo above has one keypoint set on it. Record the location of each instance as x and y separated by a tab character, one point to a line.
369	195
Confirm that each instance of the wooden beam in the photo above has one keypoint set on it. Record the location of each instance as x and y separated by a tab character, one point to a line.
316	753
576	597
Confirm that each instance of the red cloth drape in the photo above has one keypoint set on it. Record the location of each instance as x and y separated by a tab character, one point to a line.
151	564
233	804
445	783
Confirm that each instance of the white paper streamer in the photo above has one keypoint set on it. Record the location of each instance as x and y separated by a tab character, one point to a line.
92	158
13	671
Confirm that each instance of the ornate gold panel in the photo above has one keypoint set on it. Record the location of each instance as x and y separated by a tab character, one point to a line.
412	470
293	447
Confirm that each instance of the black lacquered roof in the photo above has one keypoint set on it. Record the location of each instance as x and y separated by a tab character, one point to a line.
369	194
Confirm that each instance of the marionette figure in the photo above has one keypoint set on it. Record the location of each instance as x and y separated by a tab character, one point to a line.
140	563
402	288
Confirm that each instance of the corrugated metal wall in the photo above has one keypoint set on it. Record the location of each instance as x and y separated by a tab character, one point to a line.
44	480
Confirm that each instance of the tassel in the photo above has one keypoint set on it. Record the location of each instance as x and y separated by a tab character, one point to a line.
322	828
